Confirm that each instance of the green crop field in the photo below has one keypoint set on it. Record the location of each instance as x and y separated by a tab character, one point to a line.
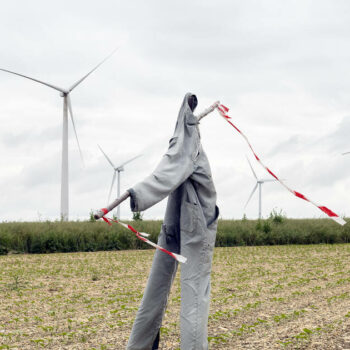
266	297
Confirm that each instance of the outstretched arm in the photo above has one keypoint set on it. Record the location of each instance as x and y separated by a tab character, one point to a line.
101	212
174	168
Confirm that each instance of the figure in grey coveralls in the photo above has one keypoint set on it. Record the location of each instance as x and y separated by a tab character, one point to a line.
189	228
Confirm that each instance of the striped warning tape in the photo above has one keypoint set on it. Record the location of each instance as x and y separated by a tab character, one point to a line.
223	112
142	235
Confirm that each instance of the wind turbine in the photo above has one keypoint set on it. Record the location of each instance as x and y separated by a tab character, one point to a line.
118	169
67	105
259	183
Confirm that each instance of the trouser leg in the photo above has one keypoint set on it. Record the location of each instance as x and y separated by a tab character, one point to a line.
151	311
195	288
156	342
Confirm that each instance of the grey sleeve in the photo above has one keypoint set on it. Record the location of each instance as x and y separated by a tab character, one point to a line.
174	168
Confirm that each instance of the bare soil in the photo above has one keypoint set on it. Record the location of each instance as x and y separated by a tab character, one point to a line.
277	297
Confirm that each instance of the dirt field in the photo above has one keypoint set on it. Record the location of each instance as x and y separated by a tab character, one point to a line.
278	297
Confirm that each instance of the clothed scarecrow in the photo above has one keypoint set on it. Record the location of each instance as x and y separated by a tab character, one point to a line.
189	228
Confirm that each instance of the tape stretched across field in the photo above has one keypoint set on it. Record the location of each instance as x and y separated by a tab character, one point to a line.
223	112
142	235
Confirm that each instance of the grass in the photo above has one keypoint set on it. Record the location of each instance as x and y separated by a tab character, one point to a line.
265	297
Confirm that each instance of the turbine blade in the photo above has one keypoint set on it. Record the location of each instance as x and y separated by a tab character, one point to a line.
128	161
109	161
251	168
345	153
110	191
75	131
86	75
38	81
251	195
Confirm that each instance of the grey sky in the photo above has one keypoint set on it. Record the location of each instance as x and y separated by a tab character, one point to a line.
281	67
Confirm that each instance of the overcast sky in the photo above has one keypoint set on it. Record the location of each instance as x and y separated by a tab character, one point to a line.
282	67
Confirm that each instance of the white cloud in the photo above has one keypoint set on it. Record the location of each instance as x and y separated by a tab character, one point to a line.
282	68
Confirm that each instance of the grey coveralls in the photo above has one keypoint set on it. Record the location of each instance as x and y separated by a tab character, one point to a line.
189	228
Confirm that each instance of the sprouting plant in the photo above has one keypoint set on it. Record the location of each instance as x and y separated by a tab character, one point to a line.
40	342
4	346
16	284
95	277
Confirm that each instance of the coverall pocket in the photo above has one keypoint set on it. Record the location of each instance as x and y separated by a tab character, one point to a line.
189	217
211	230
213	221
172	237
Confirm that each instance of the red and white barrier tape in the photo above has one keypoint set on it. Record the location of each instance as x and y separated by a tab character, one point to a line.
142	235
223	112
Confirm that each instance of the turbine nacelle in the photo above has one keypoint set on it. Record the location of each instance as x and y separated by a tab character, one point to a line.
118	169
259	183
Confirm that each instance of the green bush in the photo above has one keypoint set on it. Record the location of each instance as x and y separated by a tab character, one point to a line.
3	250
137	216
277	217
50	237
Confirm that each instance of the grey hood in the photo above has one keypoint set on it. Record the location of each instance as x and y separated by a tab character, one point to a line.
176	165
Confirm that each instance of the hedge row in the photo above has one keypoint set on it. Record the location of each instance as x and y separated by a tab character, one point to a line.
49	237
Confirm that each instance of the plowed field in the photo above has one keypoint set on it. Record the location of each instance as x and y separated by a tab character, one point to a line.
277	297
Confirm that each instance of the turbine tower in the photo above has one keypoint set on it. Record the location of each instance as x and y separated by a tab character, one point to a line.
118	169
259	183
67	106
